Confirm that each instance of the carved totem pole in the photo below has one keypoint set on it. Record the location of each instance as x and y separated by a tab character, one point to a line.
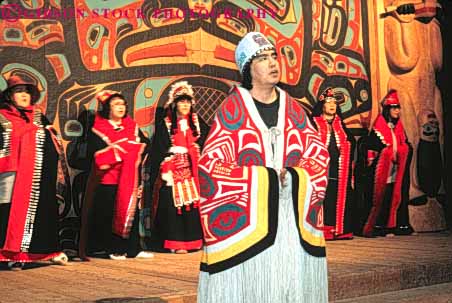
413	48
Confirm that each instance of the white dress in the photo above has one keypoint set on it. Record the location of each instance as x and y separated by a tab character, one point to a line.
283	273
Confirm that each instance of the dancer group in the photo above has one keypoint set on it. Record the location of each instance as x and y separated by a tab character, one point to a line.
259	191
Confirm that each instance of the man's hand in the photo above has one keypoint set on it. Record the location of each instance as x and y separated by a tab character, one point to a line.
282	177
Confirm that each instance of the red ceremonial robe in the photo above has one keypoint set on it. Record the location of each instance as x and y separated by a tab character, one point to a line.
30	150
398	153
123	154
338	231
239	182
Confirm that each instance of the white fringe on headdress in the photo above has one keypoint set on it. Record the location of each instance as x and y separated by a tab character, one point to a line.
178	89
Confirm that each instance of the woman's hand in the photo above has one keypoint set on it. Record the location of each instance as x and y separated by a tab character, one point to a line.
105	167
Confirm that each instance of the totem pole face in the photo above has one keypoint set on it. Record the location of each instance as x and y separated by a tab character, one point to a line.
429	126
117	108
21	96
183	107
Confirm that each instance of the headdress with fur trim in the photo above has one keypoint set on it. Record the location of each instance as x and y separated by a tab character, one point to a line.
179	89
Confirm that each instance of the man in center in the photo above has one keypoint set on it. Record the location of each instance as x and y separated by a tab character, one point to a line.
263	174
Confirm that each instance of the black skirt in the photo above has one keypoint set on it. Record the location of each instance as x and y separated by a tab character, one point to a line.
172	230
100	230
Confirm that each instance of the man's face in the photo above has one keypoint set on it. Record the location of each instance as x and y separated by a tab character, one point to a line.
265	69
394	112
117	108
330	106
183	107
21	97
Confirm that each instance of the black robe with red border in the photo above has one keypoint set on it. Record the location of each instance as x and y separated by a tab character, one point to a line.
339	198
171	230
106	224
371	175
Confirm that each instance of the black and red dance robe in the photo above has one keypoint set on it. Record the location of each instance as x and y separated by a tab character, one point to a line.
174	179
338	201
110	210
382	203
30	150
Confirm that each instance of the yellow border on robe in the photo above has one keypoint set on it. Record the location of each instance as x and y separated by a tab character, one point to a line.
307	236
261	229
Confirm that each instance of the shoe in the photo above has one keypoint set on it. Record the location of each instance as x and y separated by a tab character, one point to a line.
15	266
181	251
99	253
403	230
118	257
61	259
145	255
380	231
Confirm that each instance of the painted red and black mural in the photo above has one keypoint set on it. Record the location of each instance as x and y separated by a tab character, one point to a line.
74	49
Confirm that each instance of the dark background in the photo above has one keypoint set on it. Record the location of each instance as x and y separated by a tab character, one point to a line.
445	84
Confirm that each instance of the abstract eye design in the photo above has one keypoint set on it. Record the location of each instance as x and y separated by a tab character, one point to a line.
250	157
289	53
206	184
293	158
39	32
227	219
95	34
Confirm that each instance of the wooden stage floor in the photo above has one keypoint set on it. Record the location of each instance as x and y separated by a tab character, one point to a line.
358	267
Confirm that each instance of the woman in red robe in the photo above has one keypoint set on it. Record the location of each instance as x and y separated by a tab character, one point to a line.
29	153
338	203
384	158
110	215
